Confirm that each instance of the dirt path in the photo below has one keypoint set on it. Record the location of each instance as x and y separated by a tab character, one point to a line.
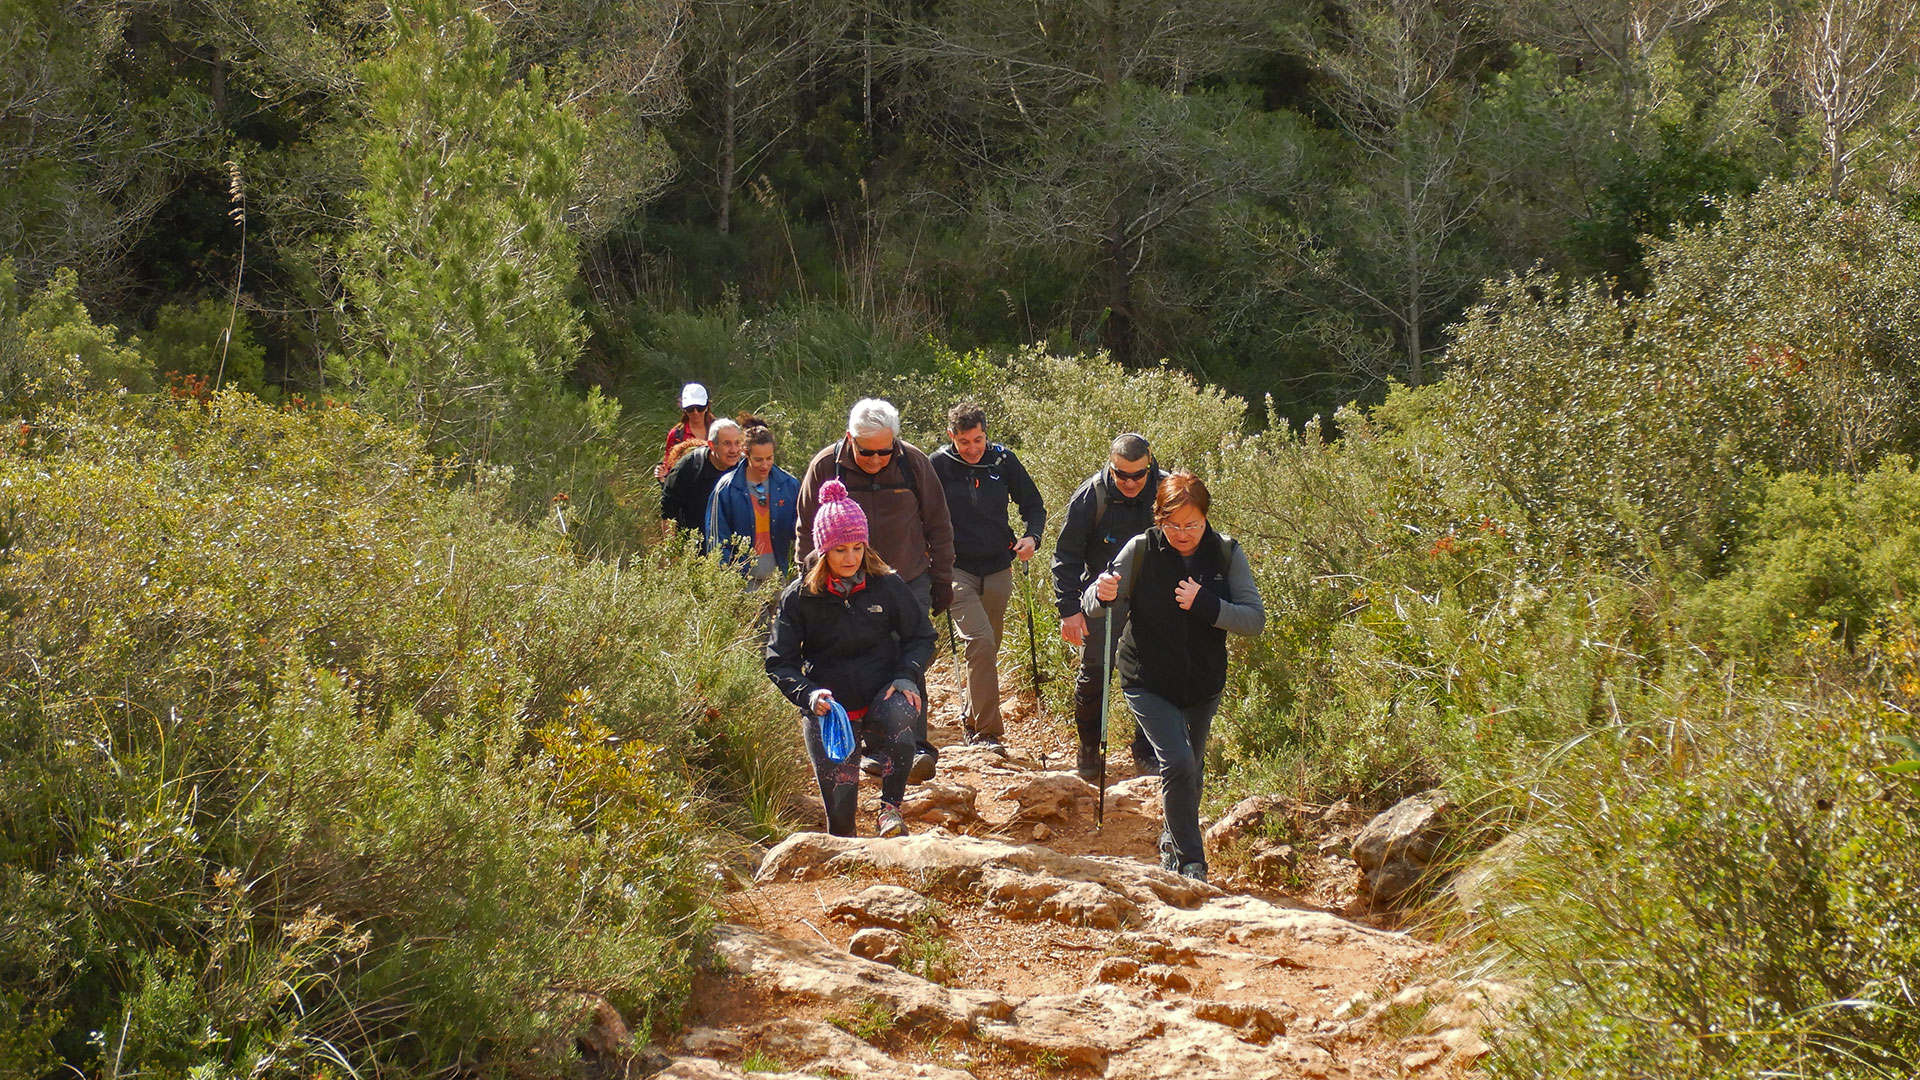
1012	937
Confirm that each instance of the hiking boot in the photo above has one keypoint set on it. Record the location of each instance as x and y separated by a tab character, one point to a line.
1145	761
1169	858
986	741
1195	870
1088	765
892	824
871	765
922	770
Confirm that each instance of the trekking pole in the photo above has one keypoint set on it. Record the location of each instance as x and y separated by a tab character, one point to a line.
1033	649
1106	683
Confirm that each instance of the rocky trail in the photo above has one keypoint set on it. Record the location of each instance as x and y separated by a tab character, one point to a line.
1009	937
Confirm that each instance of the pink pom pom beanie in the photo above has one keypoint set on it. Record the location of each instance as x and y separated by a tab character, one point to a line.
839	519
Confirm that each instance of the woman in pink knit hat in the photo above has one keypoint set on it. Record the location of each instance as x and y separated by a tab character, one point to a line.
849	630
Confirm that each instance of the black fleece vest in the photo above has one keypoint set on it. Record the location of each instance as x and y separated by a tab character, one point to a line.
1168	651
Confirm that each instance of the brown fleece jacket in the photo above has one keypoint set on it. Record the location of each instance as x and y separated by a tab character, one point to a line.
908	526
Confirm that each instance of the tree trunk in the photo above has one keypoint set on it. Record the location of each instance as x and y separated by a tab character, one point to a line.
729	136
1118	334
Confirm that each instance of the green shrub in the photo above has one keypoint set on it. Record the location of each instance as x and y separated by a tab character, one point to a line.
1818	549
51	349
1720	888
210	340
1781	337
314	763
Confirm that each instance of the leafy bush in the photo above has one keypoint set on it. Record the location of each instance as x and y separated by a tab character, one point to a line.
51	349
1721	888
1783	337
208	339
1818	549
312	763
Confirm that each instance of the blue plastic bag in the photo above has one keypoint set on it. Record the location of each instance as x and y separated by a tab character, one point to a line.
836	732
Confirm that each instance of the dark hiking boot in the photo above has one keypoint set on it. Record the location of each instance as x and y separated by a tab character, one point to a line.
922	770
1195	870
1169	858
1088	764
986	741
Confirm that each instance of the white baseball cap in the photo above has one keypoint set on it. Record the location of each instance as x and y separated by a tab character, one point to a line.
692	394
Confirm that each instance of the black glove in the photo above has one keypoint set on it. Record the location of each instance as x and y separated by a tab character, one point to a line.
942	597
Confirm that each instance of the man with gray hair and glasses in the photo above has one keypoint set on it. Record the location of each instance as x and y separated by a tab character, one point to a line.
907	519
1112	507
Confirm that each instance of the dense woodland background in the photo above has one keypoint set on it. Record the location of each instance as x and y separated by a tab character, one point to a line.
1559	364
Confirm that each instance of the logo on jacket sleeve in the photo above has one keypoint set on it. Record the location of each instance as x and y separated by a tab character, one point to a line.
877	609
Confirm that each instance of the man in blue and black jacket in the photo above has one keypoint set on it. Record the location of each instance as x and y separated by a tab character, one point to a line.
1112	507
980	480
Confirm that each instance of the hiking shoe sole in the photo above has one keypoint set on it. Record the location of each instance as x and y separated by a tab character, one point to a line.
922	771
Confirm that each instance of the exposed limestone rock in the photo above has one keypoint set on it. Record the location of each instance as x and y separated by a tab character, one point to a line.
1076	903
800	967
1051	795
1108	1031
880	945
811	1047
1250	815
986	762
1140	795
1395	848
1202	1051
1116	969
887	905
709	1069
940	802
1255	1022
1160	950
1166	977
1041	832
1247	918
711	1043
1269	859
1083	1029
961	861
1447	1006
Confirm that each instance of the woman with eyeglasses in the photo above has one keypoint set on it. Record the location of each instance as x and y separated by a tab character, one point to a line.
1185	587
696	413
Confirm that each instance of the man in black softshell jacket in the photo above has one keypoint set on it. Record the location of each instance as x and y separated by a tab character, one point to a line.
1112	507
980	480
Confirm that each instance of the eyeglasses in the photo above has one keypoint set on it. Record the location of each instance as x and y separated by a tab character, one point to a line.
882	452
1185	529
1122	474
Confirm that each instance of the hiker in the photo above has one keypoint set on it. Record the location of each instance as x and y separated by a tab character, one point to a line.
690	483
695	415
979	479
850	630
1112	507
1186	587
894	483
752	515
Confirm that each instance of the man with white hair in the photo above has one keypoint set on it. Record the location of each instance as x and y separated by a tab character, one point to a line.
907	519
689	484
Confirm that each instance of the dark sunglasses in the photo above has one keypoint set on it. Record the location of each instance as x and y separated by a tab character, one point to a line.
1122	474
882	452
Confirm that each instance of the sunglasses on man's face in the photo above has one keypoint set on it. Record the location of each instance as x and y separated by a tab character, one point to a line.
882	452
1137	474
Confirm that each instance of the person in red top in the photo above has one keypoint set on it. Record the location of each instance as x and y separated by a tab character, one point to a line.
696	413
